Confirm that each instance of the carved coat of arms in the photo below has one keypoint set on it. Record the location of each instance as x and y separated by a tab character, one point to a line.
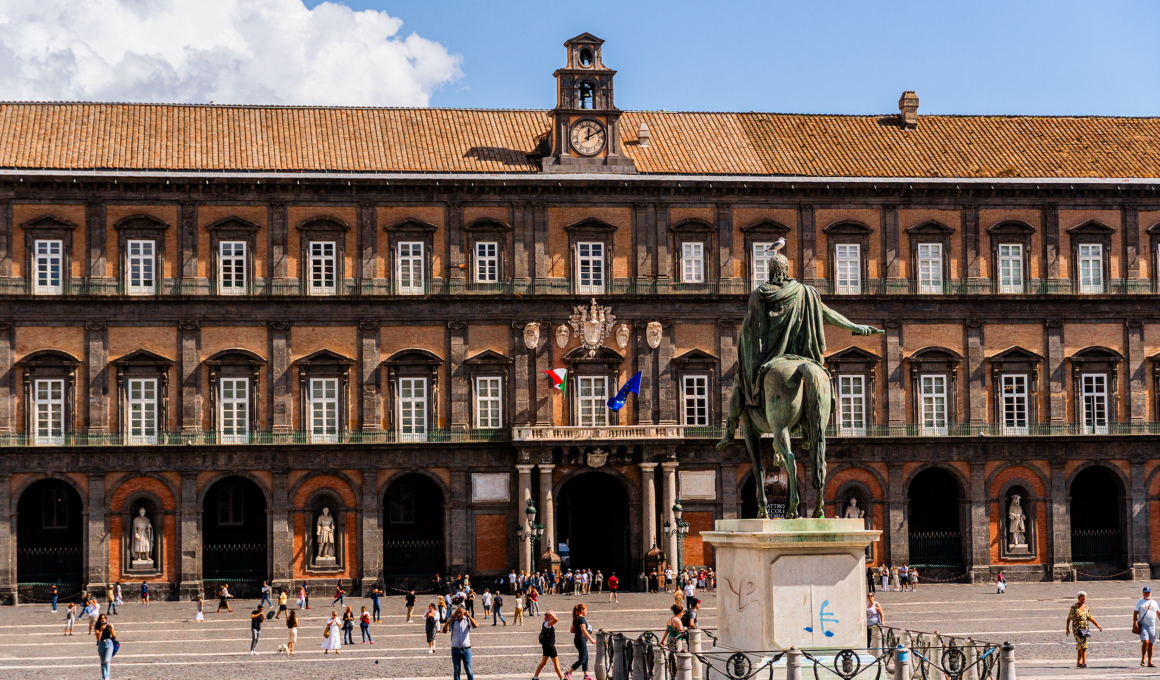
531	335
653	334
597	458
592	325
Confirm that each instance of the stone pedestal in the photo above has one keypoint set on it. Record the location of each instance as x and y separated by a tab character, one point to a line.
799	582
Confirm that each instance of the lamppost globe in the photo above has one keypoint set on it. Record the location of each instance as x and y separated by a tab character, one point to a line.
678	510
531	511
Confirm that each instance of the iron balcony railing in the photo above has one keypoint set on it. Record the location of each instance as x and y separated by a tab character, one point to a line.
614	432
433	436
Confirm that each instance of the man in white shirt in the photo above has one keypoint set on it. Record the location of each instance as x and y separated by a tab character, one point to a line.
1146	616
690	594
668	580
486	603
512	582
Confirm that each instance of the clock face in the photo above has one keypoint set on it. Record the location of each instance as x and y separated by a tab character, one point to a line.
588	137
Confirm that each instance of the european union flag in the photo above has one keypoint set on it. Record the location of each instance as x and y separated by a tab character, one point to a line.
633	385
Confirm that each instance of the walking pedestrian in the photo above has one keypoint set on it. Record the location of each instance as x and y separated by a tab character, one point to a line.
884	573
106	644
548	645
339	593
430	619
92	610
70	618
364	624
332	634
583	635
282	598
224	598
599	581
443	610
292	631
266	594
533	602
348	627
870	579
144	592
486	597
301	597
690	594
54	597
497	610
674	629
111	600
612	583
377	610
874	616
306	594
1078	618
460	627
199	617
519	617
913	579
668	579
410	606
1144	622
256	618
512	582
117	592
1000	584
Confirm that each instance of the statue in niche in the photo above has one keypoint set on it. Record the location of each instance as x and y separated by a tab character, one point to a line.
142	540
1016	524
852	509
324	534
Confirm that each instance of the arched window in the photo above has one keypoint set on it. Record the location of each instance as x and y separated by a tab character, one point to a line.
54	506
585	95
585	57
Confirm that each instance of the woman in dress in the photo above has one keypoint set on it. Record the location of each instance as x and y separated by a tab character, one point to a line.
884	573
1078	618
430	620
894	579
675	629
292	631
200	610
332	634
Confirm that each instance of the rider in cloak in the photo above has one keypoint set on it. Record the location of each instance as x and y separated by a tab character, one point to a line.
783	322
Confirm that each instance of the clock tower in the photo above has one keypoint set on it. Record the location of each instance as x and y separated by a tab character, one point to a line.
585	122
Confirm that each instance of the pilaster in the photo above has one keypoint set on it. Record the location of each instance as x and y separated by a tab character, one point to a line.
5	239
189	538
667	374
807	244
664	245
525	495
371	538
540	230
460	492
454	235
523	241
189	365
368	242
95	239
97	376
971	242
1051	252
890	241
727	372
976	373
724	214
648	507
897	530
895	375
281	532
279	237
187	235
460	378
523	389
1139	524
7	542
281	380
369	361
645	358
1136	370
1059	524
669	469
97	534
1056	372
1130	221
7	379
541	393
548	513
980	550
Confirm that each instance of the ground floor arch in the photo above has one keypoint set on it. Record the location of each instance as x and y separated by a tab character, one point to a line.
593	525
50	536
1098	517
234	536
414	543
935	519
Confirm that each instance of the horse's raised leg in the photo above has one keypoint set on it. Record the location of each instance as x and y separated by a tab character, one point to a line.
781	443
753	445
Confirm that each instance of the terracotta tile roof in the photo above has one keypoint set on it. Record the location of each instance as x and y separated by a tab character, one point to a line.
270	139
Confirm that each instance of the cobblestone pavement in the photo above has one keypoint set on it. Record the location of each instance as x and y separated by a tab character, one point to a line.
163	641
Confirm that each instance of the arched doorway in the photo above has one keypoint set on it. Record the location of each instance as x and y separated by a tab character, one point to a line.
50	537
936	535
233	537
592	521
1097	517
413	543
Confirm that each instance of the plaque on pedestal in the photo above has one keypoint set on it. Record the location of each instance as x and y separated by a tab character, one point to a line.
141	564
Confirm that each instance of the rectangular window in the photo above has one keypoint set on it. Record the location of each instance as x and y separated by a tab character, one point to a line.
852	405
1010	268
413	409
49	265
234	411
593	401
142	404
48	411
232	262
1091	268
934	404
1095	403
590	267
930	268
324	410
848	263
230	506
762	256
487	262
141	263
488	405
693	262
410	272
696	400
1014	404
323	277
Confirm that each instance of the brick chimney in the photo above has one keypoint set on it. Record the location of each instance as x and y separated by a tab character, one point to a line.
908	109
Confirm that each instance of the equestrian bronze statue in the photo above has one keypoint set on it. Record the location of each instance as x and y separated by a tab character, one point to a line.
781	383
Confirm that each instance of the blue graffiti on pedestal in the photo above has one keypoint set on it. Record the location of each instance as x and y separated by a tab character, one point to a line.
824	617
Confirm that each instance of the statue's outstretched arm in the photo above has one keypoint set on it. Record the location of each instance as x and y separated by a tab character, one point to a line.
835	319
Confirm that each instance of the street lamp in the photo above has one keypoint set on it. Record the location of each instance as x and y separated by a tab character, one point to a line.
680	531
533	532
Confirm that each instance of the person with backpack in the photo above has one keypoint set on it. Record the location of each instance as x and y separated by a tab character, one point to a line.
582	636
497	609
548	645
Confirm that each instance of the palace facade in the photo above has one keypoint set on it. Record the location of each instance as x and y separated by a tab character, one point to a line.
233	317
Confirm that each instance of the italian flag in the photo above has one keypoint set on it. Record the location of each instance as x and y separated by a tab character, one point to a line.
559	378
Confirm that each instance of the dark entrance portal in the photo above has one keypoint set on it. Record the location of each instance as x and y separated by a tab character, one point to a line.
936	538
1096	529
49	537
592	519
233	543
413	527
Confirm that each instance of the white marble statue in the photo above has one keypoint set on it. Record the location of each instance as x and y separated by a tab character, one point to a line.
1016	523
325	534
142	539
853	511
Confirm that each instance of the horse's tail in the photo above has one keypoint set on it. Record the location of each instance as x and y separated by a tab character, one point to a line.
816	404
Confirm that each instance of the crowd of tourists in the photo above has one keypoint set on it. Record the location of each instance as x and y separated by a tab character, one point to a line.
892	578
703	579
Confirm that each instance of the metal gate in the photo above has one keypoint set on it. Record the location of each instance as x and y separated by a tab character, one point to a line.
936	549
48	566
240	565
1096	546
412	558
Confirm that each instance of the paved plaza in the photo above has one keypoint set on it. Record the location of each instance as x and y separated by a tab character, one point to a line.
163	641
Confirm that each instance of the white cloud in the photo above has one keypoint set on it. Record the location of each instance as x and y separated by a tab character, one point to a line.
225	51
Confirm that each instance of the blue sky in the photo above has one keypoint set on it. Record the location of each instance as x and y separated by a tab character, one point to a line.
814	57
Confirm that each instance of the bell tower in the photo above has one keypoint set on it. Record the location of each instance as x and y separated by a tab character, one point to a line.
585	122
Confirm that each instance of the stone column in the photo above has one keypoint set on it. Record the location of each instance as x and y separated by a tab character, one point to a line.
97	376
525	495
898	535
7	542
648	503
669	499
281	380
980	550
97	534
188	538
1059	524
547	510
1139	546
371	540
281	532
